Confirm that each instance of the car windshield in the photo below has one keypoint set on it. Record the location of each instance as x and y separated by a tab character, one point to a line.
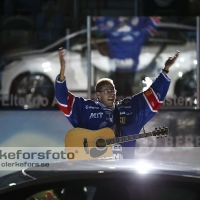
40	126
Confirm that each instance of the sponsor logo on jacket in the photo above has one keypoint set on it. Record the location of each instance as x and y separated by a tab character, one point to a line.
91	107
96	115
122	120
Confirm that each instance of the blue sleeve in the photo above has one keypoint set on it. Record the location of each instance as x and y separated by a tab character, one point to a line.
70	105
147	103
61	91
161	86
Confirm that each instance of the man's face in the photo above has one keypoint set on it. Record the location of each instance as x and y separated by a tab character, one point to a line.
107	95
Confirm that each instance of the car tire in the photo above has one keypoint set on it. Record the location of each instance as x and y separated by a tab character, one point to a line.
31	91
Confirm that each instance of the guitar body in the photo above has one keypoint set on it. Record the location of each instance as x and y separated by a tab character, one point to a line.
84	144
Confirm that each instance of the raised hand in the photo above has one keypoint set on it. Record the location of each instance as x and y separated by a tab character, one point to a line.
62	63
171	60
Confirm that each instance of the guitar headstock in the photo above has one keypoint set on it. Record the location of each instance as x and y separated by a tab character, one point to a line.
161	131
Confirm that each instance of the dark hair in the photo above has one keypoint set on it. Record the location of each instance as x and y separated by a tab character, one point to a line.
103	81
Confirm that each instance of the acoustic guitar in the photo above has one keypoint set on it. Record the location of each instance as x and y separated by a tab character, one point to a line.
84	144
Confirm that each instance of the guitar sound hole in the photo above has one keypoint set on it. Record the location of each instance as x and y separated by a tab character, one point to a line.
100	143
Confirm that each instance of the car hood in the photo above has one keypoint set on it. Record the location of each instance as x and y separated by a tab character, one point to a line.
139	166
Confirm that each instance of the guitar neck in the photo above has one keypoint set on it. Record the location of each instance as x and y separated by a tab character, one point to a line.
127	138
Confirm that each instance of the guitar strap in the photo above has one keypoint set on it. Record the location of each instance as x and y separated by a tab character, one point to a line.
117	120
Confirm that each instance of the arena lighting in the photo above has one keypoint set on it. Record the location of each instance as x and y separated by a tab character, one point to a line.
180	74
148	83
142	167
195	62
112	167
12	184
46	66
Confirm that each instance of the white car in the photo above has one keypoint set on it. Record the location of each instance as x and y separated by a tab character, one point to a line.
29	81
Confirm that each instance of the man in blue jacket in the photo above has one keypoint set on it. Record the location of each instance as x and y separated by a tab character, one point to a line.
125	117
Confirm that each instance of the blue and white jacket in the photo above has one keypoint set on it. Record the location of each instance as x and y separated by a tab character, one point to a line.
134	111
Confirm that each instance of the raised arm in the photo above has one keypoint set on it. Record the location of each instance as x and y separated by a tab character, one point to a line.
62	64
67	102
147	103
